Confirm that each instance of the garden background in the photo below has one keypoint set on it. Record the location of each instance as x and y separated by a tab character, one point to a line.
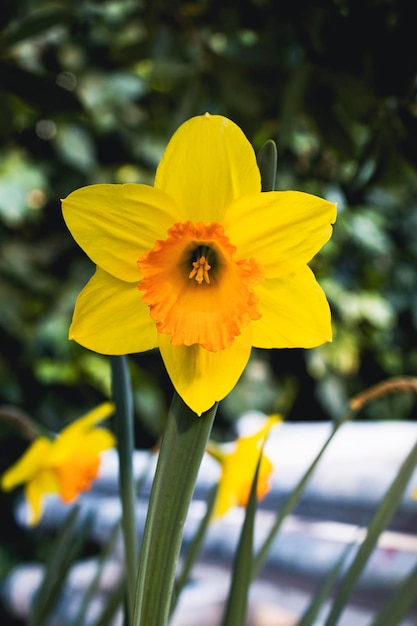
91	92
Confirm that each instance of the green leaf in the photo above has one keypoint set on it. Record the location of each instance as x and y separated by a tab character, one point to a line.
237	601
292	501
39	92
113	601
378	523
320	596
194	548
183	445
66	549
123	400
75	146
35	23
267	163
19	176
399	603
104	555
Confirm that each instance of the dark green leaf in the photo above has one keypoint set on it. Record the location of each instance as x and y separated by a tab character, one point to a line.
38	91
35	23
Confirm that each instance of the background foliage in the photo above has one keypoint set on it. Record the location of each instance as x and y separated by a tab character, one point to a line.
91	91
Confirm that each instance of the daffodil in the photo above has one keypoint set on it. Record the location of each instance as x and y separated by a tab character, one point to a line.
238	469
66	465
202	265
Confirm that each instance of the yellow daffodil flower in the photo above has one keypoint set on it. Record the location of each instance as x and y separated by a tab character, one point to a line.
202	265
238	469
66	465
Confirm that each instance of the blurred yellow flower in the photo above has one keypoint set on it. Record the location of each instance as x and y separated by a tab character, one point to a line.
238	469
220	266
66	465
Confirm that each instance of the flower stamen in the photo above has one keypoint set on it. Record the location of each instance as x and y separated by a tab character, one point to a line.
187	311
200	270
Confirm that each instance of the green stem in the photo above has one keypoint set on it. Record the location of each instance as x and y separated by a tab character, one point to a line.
182	449
124	430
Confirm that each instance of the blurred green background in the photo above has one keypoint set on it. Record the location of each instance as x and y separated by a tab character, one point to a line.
91	91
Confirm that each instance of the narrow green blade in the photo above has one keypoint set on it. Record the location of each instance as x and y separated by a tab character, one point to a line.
122	394
378	523
310	614
66	549
290	504
267	163
92	588
237	602
113	602
397	607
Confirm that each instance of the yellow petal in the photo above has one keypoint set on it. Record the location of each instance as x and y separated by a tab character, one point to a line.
201	377
43	484
89	443
237	477
99	440
227	494
81	437
281	230
295	313
115	224
239	468
207	164
90	419
110	318
34	459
